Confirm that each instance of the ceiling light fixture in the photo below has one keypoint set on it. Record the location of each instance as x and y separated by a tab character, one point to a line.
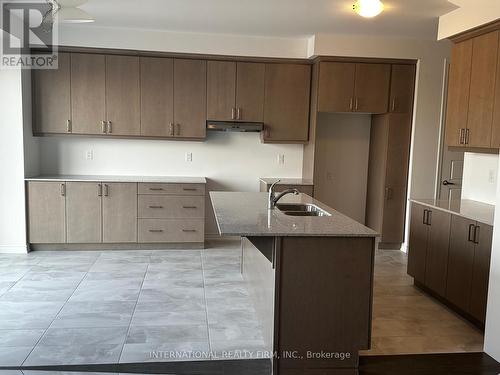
368	8
68	11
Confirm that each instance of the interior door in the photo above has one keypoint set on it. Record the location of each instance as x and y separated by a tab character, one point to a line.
417	245
88	87
157	97
123	95
84	212
452	165
437	251
221	90
336	87
52	93
119	212
250	78
190	98
371	88
460	262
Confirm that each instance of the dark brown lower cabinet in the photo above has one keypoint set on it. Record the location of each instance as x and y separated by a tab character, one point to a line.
450	256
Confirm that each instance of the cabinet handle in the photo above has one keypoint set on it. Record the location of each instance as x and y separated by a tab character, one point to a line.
189	230
393	105
178	129
429	217
233	113
103	126
63	190
189	189
156	189
110	128
477	229
189	207
155	206
68	126
471	235
99	190
106	190
356	105
156	230
172	132
467	133
424	217
238	114
351	103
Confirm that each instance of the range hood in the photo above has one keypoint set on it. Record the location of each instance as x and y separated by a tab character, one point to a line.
233	126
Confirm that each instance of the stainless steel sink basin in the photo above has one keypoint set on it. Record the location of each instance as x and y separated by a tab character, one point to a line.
292	209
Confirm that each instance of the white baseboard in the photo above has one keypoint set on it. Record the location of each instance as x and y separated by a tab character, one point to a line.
6	249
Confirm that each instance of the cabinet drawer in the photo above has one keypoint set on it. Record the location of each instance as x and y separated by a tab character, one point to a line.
171	206
171	230
172	189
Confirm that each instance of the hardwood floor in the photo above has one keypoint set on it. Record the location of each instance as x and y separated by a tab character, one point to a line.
407	321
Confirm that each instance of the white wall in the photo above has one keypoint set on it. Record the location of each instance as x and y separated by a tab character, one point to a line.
480	177
12	203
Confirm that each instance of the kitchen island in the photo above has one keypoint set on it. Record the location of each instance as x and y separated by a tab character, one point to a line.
312	277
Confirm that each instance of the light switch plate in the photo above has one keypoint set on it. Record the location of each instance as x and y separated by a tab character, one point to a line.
281	159
189	156
89	155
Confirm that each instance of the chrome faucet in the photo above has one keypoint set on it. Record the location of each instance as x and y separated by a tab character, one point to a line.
273	198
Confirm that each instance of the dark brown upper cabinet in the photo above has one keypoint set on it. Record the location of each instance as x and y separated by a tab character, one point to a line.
52	95
402	88
88	93
235	91
286	103
190	98
157	97
473	89
353	87
123	95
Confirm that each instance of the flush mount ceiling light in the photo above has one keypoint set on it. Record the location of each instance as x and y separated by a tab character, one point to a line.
68	11
368	8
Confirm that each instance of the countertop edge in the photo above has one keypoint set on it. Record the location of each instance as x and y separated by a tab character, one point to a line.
464	215
108	178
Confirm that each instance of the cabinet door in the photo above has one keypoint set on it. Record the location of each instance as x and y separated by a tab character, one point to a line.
286	105
371	89
417	245
336	87
495	131
190	98
460	262
437	251
84	213
122	95
482	89
250	79
157	97
396	178
221	90
51	96
47	212
458	91
119	212
402	88
88	89
481	272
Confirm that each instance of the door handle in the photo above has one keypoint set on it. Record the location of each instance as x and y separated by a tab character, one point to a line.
424	217
429	217
446	183
106	190
472	229
477	229
99	190
110	128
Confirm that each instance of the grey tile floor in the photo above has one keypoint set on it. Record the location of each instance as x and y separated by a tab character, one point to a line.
88	307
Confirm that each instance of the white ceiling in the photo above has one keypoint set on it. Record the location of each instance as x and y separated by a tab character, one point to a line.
284	18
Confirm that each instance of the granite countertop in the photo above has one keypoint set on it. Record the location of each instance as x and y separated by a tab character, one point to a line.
105	178
287	181
246	214
482	212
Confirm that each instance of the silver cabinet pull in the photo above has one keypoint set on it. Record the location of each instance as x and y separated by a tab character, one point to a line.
99	190
178	129
461	136
156	189
476	234
110	128
103	126
356	105
233	113
189	207
238	114
156	230
68	126
393	105
106	190
351	103
172	129
189	189
63	190
467	133
471	235
189	230
155	206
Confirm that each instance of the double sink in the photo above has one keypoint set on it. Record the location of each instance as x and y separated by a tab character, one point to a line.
293	209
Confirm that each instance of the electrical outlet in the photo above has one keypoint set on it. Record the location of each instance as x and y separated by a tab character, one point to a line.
189	156
281	159
491	176
89	155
